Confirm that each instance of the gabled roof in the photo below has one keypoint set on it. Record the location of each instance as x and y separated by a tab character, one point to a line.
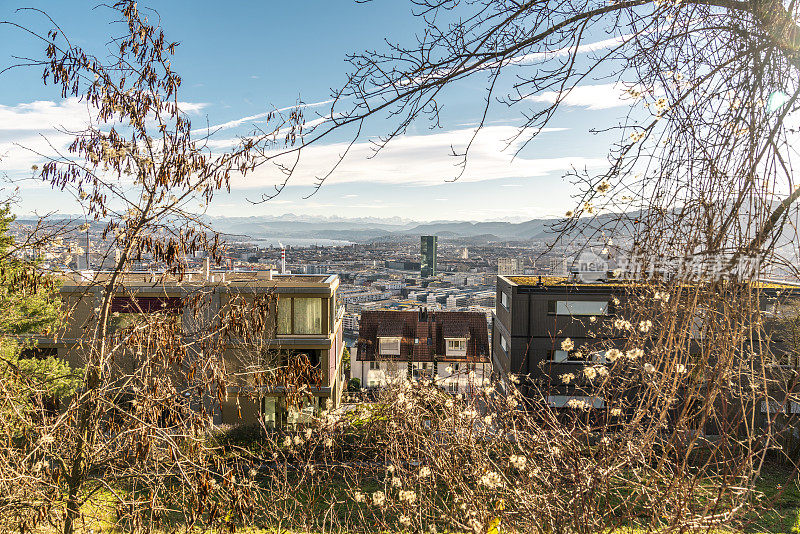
390	329
457	327
423	335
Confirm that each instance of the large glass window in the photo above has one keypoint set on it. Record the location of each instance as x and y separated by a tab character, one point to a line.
581	307
307	316
284	316
562	356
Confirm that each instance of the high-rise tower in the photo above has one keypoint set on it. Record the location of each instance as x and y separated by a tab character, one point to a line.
428	256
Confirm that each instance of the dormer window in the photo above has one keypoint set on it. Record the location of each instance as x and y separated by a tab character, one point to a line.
389	346
456	347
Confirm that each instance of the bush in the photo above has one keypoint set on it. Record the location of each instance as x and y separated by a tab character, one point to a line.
354	384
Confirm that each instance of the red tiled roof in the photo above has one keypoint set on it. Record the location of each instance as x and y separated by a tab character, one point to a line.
423	334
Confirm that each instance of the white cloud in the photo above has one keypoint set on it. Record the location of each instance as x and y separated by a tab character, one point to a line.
70	114
536	57
418	160
245	120
29	129
594	97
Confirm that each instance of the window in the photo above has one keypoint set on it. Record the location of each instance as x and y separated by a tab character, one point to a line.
332	310
284	316
578	307
421	370
299	316
127	312
307	315
560	401
505	300
769	306
562	356
38	353
503	343
389	346
456	347
456	344
374	366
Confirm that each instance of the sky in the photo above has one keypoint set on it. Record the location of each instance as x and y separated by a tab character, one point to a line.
239	59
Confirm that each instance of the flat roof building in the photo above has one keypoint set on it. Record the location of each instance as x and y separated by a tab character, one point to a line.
303	317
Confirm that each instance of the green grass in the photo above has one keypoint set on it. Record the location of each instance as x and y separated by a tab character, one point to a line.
775	510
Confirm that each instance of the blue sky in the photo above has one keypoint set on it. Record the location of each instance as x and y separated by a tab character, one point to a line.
238	59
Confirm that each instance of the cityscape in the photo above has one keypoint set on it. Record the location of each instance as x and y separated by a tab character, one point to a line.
436	266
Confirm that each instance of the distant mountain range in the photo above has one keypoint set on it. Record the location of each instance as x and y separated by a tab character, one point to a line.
371	229
357	230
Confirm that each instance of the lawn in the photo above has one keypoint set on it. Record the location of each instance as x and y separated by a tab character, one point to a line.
776	510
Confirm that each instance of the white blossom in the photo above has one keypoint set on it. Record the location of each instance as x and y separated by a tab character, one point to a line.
518	461
378	498
633	354
567	345
622	324
408	496
491	480
566	378
579	404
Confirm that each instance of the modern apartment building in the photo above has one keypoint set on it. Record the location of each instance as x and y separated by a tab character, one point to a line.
428	256
305	318
451	347
509	266
534	315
